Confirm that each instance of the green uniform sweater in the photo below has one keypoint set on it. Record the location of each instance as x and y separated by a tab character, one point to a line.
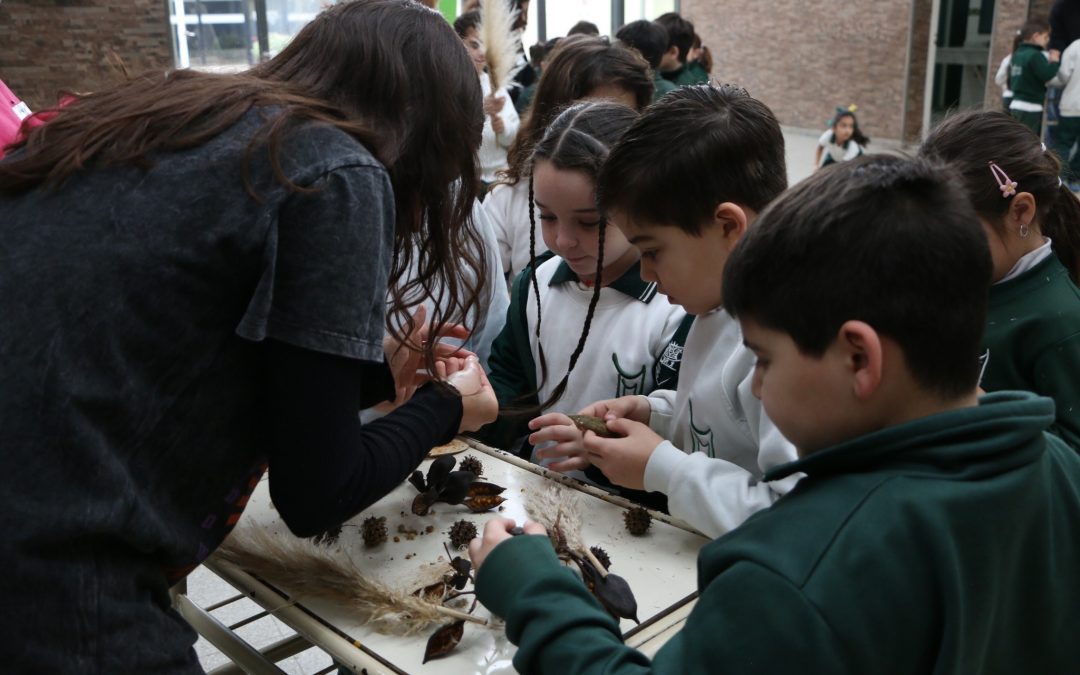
1030	72
684	76
662	86
945	545
1033	334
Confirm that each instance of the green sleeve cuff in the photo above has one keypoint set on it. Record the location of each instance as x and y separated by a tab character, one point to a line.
499	580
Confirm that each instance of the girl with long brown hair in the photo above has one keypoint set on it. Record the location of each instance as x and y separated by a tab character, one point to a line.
194	288
581	67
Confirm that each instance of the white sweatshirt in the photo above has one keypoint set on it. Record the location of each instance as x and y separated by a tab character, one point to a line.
1069	104
493	147
720	441
507	206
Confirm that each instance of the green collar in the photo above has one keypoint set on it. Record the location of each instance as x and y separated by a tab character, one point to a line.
629	283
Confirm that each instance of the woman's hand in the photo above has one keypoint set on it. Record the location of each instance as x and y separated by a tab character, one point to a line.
497	531
479	404
406	357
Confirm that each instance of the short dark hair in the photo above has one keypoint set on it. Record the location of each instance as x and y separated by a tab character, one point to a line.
696	147
1038	24
648	37
680	33
968	142
887	240
583	28
466	22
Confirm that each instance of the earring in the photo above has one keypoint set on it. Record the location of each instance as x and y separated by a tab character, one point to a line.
1024	231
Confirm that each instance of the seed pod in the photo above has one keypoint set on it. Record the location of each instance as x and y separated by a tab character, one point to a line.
374	531
594	424
329	537
461	533
418	482
443	641
422	502
456	487
638	520
482	503
432	592
613	593
480	488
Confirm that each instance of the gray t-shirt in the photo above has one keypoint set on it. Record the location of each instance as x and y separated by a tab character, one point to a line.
129	390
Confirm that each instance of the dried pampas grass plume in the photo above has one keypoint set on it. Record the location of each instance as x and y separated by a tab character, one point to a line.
497	30
308	570
556	504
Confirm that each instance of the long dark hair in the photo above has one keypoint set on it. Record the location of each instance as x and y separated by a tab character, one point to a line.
579	139
391	73
969	141
577	66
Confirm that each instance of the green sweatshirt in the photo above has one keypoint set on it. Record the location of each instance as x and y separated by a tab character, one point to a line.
662	86
684	76
1030	72
1033	334
945	545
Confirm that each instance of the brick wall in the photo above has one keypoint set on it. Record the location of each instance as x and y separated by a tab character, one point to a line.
54	45
804	58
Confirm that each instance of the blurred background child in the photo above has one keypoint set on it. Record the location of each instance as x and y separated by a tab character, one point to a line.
842	140
1032	67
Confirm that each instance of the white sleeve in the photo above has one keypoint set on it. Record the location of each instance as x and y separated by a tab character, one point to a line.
662	410
495	208
510	118
712	495
493	312
1002	76
825	139
1068	65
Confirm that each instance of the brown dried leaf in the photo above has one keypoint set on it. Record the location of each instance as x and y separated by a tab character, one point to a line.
443	641
480	488
594	424
482	503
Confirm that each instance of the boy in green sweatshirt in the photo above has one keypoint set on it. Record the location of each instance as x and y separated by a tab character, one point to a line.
933	532
1032	67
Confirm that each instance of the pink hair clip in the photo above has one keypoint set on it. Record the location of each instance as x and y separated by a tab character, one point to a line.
1007	186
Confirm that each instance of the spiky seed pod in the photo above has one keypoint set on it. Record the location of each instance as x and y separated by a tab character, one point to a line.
374	531
637	520
472	465
602	556
329	537
461	533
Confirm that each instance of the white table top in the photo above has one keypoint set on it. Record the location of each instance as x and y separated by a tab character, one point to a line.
661	568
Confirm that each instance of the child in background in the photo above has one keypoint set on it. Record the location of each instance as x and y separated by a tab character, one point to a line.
1033	326
500	117
700	62
580	68
674	65
651	41
1067	132
538	53
1032	68
683	186
934	533
842	141
591	285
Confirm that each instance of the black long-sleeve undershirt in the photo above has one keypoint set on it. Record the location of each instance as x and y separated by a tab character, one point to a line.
325	466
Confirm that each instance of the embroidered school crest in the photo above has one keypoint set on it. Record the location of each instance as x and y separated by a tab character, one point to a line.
629	383
701	439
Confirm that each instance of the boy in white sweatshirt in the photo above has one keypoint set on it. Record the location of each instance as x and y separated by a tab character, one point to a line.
689	177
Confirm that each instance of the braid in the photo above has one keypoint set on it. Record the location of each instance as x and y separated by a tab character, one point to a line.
557	393
535	284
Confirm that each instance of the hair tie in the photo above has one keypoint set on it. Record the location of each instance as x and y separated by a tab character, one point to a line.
1007	186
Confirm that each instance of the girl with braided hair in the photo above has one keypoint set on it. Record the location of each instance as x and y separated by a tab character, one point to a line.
581	323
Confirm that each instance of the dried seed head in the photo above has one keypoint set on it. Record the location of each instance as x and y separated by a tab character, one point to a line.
329	537
637	520
602	556
472	465
374	531
461	533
